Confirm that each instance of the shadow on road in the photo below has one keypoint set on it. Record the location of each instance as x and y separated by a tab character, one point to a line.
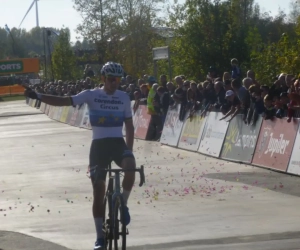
278	182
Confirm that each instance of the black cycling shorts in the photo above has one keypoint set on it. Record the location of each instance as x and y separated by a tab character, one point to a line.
104	151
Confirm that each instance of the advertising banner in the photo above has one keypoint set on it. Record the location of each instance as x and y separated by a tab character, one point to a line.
64	114
79	115
191	132
275	144
33	103
58	113
123	130
172	127
71	111
85	122
74	116
47	109
30	102
141	122
213	134
25	65
294	165
43	107
240	140
51	112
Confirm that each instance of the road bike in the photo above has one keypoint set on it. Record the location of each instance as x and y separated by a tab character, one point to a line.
114	227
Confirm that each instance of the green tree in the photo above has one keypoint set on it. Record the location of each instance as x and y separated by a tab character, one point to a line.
63	58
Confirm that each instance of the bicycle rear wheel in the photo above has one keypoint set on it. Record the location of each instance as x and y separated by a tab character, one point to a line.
119	225
108	226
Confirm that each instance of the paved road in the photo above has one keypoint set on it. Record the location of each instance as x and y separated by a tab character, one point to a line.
190	201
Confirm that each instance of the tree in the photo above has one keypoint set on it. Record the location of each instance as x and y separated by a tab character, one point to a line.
122	30
63	58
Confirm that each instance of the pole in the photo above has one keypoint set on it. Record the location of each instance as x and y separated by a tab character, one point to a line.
37	14
45	52
169	60
49	34
101	19
12	38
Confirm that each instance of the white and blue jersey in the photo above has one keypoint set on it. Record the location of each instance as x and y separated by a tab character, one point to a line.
107	112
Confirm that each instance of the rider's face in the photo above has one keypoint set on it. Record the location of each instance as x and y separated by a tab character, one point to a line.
112	84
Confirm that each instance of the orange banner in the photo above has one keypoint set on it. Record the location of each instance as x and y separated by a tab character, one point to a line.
12	90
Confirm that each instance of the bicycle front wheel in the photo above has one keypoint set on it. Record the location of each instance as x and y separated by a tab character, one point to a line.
119	224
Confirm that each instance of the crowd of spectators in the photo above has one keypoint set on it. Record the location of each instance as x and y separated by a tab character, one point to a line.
230	94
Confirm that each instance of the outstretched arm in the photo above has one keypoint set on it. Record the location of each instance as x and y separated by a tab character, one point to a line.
57	100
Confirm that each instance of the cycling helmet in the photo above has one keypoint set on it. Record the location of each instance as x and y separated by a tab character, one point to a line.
112	69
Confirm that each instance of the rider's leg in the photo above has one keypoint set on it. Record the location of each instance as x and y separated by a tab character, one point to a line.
129	177
98	207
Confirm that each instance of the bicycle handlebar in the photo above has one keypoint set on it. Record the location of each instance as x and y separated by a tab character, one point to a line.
140	170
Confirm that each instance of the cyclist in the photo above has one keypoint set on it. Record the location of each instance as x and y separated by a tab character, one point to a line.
108	109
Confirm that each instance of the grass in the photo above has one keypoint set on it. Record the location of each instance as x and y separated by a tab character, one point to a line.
12	98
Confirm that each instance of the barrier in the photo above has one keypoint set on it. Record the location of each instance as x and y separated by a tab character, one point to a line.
85	121
64	114
141	122
270	144
275	144
213	135
294	164
240	140
191	132
172	127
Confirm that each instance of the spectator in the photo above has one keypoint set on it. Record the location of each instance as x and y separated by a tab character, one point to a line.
164	103
270	110
88	72
226	76
258	105
163	82
220	95
155	125
235	71
243	95
251	74
171	90
235	105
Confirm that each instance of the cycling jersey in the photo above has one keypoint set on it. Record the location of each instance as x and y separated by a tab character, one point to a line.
107	112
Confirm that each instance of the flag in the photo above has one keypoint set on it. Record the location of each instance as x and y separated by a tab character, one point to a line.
7	29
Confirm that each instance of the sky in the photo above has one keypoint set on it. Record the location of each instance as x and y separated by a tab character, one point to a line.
59	13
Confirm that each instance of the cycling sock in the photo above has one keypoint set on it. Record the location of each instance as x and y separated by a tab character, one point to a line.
125	195
99	224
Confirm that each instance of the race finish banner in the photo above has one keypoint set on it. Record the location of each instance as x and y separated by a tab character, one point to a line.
294	165
240	140
172	127
141	122
191	132
213	134
275	143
